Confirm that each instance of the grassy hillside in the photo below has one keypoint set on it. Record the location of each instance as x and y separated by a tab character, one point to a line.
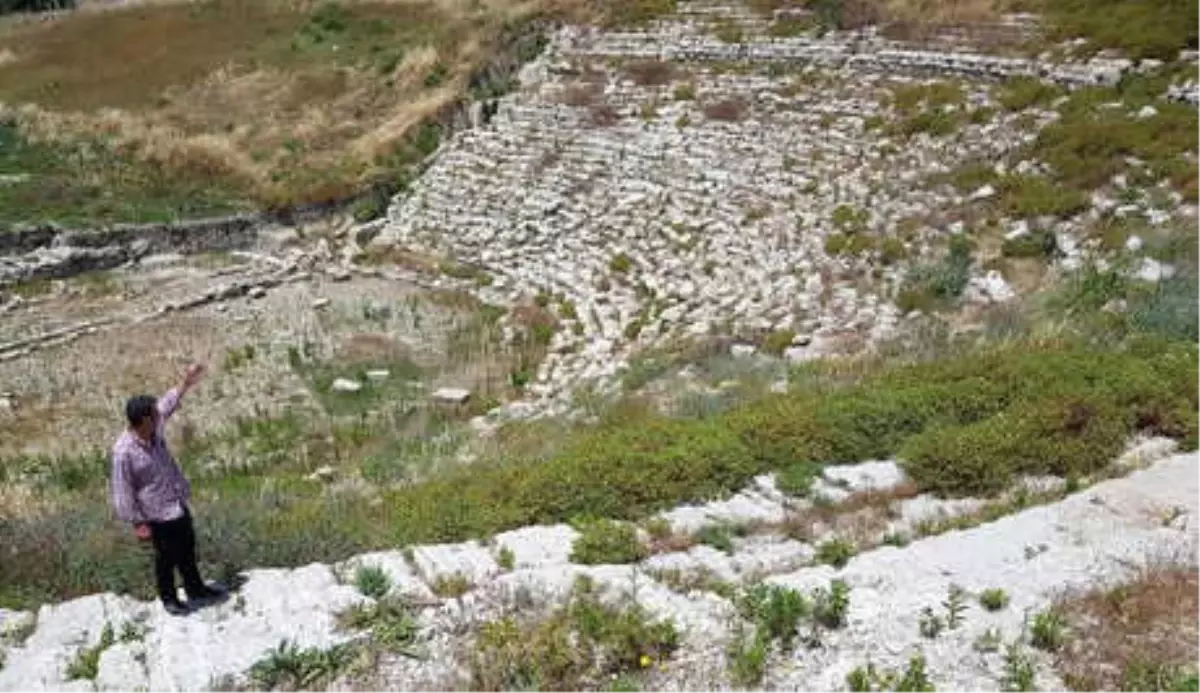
180	109
163	110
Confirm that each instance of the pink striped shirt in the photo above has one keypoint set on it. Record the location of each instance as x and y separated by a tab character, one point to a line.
147	483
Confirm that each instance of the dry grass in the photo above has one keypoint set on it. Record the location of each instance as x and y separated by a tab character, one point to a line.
861	517
728	110
277	101
652	73
1139	636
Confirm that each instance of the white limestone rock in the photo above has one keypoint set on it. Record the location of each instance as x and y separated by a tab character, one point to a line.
451	395
402	577
345	385
540	546
866	476
468	559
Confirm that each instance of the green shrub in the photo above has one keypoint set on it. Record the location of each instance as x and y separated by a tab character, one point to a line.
506	559
928	287
747	657
848	218
831	607
1048	631
993	599
87	661
390	622
915	678
930	625
970	177
370	208
955	605
451	586
1088	145
289	668
1138	29
1039	244
605	541
620	263
1020	671
776	612
720	537
1024	92
685	92
836	552
372	581
779	340
1169	309
798	479
836	243
583	641
1035	196
1061	435
934	122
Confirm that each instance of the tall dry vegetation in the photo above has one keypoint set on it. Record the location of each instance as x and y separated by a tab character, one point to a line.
275	102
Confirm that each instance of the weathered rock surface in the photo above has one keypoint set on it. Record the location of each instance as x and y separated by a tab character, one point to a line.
1096	536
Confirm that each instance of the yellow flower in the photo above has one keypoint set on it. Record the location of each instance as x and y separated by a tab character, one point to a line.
645	661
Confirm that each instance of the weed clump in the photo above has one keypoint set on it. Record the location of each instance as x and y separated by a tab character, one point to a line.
605	541
776	614
798	479
372	581
580	646
934	286
288	667
836	552
994	599
86	664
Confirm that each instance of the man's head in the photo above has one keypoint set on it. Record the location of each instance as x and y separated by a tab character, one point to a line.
142	413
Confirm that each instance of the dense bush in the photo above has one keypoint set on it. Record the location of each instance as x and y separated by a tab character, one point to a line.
1138	28
605	541
932	286
981	459
965	424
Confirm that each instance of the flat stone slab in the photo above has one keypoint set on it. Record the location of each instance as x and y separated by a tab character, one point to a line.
469	559
1088	543
535	547
402	577
866	476
451	395
747	507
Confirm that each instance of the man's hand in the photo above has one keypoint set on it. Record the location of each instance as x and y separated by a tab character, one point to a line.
142	531
193	375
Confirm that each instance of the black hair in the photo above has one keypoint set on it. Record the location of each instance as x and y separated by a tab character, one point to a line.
138	408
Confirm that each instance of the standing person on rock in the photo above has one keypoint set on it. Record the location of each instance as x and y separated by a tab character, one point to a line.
150	492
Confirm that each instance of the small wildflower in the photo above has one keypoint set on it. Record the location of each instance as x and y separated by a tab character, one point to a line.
645	661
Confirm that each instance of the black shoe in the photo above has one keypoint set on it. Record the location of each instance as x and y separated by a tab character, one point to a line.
207	594
175	608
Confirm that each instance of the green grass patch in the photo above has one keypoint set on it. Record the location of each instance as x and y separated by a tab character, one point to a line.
933	287
1020	93
605	541
581	642
963	424
80	186
1090	144
288	667
1137	28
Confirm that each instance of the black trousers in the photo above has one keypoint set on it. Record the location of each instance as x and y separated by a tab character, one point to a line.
175	548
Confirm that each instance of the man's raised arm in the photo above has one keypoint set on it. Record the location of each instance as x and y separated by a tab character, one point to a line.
169	402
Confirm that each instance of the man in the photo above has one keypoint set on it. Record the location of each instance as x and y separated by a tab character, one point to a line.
150	492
